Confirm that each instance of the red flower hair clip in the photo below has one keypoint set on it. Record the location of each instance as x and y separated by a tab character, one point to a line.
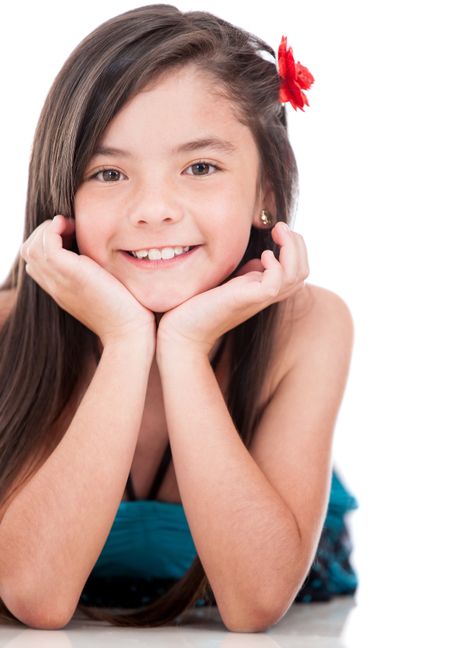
294	77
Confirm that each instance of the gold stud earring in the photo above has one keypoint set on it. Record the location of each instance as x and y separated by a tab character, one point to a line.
266	217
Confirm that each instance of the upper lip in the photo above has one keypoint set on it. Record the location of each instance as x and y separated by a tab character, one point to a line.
160	247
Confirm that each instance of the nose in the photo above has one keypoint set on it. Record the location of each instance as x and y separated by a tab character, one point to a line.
155	201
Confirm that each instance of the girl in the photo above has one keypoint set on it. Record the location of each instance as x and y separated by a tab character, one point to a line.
169	383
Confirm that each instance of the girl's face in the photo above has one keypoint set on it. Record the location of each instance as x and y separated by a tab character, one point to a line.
168	186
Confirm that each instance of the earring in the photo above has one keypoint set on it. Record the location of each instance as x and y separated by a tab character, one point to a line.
265	217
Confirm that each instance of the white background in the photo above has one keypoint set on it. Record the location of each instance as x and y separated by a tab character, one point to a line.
373	152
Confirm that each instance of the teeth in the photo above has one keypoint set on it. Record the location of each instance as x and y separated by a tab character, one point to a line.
155	255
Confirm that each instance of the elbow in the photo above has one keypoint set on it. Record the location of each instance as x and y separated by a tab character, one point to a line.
253	618
45	621
260	615
256	621
245	626
40	617
37	614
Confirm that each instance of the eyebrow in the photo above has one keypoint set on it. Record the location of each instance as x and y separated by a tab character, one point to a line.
205	142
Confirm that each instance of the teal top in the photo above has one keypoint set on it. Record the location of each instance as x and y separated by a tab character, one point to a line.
152	539
148	539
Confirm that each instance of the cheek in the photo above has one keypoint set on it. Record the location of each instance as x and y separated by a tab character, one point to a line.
90	233
236	224
233	245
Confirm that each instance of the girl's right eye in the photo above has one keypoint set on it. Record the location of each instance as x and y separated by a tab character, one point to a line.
107	175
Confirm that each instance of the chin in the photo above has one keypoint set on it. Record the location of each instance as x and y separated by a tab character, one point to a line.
161	304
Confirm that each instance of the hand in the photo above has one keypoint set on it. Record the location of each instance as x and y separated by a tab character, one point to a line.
81	286
201	320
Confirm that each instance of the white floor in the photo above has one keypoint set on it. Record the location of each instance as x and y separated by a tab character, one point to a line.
399	603
316	625
345	622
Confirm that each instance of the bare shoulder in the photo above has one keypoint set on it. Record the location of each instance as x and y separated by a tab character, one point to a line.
315	317
312	301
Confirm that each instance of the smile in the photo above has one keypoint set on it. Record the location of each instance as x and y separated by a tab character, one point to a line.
145	262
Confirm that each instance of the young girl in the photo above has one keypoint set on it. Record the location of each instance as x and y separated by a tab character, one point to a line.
169	383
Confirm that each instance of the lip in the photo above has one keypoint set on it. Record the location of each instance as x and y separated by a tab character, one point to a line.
159	264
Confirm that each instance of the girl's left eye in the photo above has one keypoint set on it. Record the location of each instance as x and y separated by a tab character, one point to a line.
101	173
202	165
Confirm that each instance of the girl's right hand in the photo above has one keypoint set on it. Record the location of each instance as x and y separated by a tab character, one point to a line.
82	287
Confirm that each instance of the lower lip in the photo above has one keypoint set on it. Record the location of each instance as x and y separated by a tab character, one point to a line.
159	263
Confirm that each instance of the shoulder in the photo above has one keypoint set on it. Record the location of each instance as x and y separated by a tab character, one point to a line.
314	326
314	301
315	320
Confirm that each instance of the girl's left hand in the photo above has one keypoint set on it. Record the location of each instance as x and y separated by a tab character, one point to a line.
200	321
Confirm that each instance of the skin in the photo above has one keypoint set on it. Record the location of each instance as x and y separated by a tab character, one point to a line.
154	197
148	192
271	532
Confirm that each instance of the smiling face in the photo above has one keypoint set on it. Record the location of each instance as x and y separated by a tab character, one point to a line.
161	192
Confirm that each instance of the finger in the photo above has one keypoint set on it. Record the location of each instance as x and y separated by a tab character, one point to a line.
292	255
303	256
278	232
69	233
51	239
289	252
66	229
23	251
30	241
66	225
272	278
60	230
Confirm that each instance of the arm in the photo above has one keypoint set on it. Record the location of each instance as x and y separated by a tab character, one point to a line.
256	516
55	528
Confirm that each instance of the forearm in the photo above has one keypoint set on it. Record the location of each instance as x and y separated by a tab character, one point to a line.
53	531
246	537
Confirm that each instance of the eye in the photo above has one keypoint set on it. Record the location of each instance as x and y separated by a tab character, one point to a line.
107	175
201	166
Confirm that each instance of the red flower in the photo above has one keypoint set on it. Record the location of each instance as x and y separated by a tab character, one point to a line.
294	77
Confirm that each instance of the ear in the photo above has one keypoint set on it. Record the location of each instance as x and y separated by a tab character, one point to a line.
266	200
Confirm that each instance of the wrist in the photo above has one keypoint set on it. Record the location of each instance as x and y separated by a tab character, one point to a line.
173	353
142	344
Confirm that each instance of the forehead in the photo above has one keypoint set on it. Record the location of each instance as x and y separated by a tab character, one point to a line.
182	105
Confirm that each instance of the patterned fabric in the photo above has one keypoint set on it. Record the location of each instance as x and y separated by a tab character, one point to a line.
147	551
331	573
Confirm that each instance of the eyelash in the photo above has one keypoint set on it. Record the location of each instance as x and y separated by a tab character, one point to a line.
209	164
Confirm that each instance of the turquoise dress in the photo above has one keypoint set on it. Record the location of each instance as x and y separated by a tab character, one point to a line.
150	547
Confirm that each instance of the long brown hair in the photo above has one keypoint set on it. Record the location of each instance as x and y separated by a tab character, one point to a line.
43	349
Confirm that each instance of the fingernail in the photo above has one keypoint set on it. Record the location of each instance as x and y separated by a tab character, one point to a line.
285	227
